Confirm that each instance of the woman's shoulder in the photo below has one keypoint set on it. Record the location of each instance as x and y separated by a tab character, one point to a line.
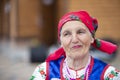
42	65
42	68
111	73
39	72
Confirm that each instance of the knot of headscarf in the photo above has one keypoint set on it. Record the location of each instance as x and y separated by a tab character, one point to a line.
92	24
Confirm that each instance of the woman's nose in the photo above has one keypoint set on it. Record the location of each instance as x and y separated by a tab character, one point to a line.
74	38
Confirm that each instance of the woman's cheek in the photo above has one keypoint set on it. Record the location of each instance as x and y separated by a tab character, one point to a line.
85	39
65	42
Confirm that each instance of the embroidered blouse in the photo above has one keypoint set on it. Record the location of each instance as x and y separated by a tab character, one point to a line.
111	73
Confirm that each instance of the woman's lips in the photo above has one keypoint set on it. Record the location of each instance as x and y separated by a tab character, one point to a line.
76	46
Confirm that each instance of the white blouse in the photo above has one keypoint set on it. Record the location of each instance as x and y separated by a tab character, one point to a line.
111	73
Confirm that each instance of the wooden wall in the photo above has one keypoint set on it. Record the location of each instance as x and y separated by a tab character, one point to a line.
1	12
28	18
37	20
4	19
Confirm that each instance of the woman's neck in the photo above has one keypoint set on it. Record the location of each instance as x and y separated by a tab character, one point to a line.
78	63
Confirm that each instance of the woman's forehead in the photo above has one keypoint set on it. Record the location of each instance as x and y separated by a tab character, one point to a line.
74	25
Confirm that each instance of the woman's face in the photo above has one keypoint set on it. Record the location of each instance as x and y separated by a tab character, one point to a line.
75	39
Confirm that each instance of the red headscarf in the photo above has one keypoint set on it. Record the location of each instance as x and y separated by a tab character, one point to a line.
92	25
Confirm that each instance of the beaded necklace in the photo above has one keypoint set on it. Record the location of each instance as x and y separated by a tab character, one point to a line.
70	77
87	73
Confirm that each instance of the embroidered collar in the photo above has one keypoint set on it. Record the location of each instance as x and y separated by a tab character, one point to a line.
71	74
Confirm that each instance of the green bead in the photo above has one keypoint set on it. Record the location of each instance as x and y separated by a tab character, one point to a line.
98	44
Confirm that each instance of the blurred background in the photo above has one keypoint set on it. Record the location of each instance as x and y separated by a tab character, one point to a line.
28	32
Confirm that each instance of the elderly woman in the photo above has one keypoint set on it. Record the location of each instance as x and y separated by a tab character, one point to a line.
76	33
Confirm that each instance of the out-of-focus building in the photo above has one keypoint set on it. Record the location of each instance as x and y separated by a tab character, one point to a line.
37	19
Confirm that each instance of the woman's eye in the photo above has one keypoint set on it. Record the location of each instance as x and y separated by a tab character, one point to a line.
81	31
66	34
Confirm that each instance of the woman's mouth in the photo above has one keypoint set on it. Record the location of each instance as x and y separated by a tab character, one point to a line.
76	46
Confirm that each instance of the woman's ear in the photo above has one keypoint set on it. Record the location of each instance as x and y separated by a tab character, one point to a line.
61	46
59	41
92	39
